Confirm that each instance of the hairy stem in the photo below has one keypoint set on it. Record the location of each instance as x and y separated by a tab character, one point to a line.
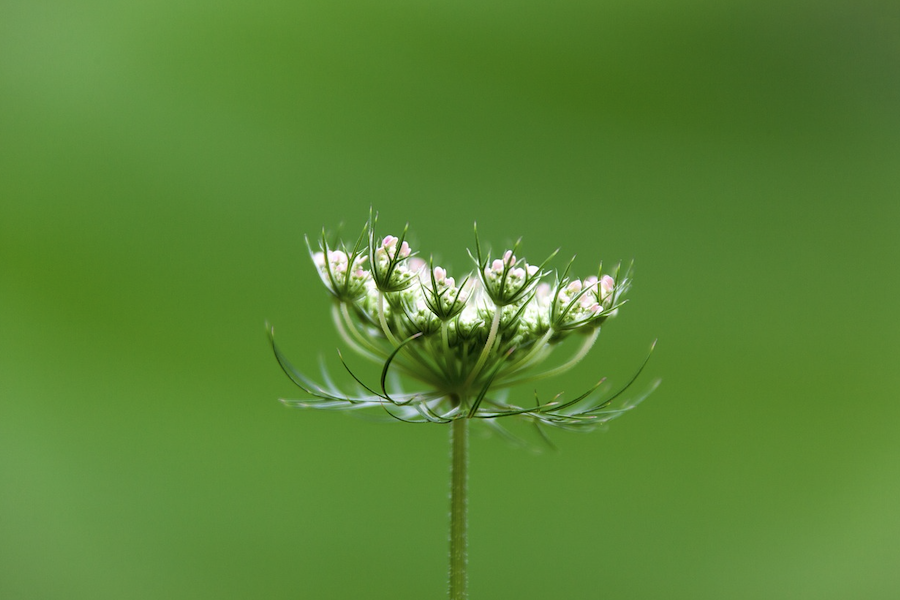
459	442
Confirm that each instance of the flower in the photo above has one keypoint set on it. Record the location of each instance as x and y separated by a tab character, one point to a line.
389	258
343	273
464	341
441	295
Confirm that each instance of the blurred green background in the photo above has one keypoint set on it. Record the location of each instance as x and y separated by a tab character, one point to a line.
160	163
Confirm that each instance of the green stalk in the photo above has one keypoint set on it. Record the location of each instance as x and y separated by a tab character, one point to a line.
384	325
451	360
582	352
523	363
495	324
348	326
459	442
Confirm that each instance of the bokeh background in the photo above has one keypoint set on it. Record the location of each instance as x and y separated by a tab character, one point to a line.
160	163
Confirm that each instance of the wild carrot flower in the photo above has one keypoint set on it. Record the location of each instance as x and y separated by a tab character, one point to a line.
463	338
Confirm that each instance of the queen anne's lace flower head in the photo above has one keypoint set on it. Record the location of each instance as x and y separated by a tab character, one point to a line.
463	336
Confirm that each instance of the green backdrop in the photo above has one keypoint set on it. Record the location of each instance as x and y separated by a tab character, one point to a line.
160	163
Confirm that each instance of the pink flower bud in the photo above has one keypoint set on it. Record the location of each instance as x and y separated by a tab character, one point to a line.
607	284
416	264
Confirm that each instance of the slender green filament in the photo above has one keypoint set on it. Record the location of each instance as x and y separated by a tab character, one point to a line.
384	325
582	352
495	325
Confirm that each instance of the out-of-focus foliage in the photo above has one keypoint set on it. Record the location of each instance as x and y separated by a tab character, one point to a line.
161	162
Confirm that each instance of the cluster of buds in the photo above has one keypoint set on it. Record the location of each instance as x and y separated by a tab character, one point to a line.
462	340
507	283
343	274
388	250
579	303
441	295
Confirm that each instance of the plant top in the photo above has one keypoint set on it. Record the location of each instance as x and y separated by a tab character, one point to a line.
464	338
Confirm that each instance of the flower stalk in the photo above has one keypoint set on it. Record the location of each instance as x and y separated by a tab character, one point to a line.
488	345
462	343
459	450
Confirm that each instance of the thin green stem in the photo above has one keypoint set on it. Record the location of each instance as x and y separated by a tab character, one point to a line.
381	319
538	347
342	331
445	341
441	359
459	442
582	352
495	325
363	350
350	327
